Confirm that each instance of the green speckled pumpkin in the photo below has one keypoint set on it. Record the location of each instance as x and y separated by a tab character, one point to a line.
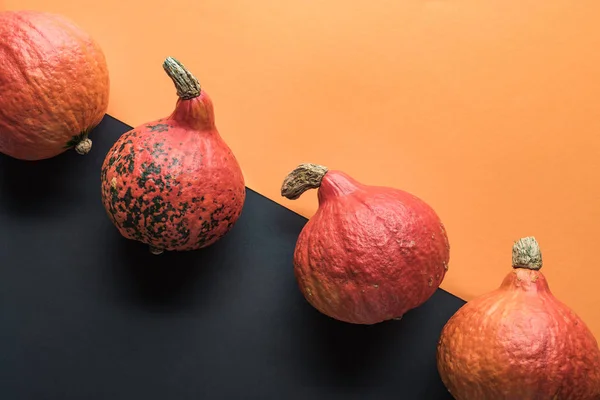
174	184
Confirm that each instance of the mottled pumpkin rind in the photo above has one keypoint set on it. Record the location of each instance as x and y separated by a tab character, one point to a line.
55	84
369	254
519	342
171	186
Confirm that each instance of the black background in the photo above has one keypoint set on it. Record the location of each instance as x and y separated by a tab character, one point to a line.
87	314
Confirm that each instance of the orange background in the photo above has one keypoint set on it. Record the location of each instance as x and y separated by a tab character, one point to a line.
489	111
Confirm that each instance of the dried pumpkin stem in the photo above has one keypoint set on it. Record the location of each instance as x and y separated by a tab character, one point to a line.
84	146
186	84
155	250
302	178
526	254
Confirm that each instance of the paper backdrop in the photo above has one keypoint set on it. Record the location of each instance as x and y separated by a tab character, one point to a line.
489	111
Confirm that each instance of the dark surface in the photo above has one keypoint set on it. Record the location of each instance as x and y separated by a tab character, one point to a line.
86	314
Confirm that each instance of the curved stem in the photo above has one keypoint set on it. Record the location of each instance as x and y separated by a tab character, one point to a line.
302	178
186	84
526	254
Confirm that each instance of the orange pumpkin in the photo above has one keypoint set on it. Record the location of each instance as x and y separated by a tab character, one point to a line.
54	85
173	183
519	342
370	253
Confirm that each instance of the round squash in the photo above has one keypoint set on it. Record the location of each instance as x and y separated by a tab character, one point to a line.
519	342
173	183
54	85
369	253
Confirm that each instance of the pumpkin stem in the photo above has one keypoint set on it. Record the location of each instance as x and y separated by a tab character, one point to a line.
84	146
303	177
526	254
155	250
186	84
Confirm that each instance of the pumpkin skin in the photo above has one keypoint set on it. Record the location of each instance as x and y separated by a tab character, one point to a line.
173	183
369	254
519	342
58	81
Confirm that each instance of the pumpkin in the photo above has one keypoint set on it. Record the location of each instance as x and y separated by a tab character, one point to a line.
173	183
54	82
369	253
519	342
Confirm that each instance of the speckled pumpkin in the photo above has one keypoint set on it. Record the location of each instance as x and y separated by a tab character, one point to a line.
369	253
174	184
519	342
54	85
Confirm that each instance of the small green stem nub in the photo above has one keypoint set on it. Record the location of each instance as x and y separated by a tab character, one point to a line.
526	254
303	177
186	84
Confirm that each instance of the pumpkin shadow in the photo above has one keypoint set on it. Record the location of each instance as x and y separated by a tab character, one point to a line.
169	282
39	187
339	354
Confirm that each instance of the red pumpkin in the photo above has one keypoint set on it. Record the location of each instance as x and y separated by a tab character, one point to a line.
54	85
173	183
369	253
519	342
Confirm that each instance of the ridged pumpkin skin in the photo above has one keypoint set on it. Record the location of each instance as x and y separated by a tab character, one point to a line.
369	254
173	183
519	342
54	85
